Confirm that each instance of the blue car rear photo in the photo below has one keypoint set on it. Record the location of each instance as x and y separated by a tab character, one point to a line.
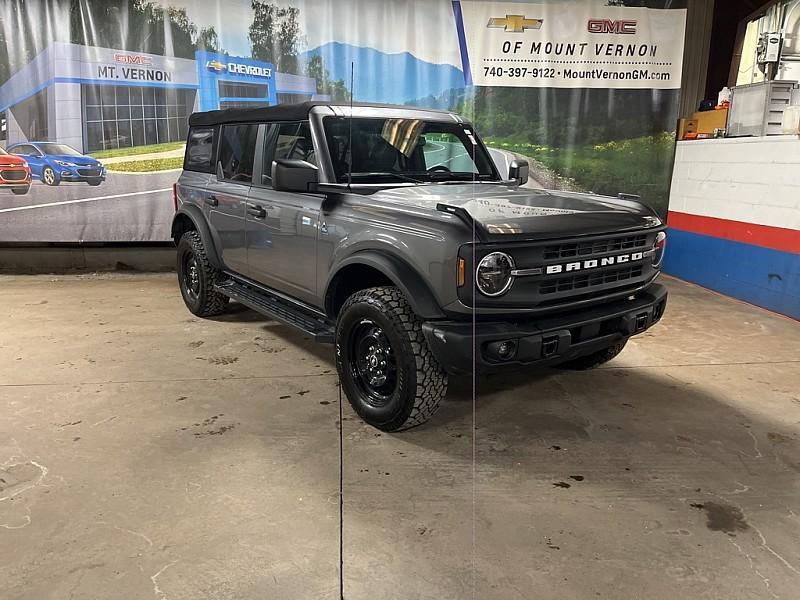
54	163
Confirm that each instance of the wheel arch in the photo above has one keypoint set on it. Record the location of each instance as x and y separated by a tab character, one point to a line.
190	218
373	268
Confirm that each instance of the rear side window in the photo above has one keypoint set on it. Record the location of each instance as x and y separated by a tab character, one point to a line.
200	150
24	149
237	148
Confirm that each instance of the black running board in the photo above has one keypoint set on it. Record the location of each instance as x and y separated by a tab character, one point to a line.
280	309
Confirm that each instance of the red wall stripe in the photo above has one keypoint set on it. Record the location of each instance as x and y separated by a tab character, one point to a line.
766	236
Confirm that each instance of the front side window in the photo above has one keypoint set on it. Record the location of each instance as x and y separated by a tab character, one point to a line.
393	150
237	147
287	141
200	150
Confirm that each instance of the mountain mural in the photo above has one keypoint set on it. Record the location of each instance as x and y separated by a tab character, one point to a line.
387	78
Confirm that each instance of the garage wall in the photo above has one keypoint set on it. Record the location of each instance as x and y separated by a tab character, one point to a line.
734	218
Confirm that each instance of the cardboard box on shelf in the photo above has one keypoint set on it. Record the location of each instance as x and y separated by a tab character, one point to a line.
686	127
710	120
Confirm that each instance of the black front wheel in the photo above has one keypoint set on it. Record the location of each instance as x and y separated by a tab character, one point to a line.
387	370
197	277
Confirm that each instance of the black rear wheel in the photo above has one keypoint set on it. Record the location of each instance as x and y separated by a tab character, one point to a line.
197	277
386	368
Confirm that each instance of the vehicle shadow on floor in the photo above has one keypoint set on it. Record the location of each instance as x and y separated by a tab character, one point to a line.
238	313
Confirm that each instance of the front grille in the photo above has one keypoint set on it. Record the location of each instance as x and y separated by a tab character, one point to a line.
14	175
596	247
89	172
589	280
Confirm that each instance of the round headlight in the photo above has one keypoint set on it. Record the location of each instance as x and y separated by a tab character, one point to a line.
658	249
493	275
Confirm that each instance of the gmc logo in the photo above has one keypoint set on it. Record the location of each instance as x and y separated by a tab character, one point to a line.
612	26
133	59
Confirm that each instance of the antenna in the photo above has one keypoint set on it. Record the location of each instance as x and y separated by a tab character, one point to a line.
350	141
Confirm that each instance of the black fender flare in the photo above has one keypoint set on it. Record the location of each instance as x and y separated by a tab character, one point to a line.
401	274
195	215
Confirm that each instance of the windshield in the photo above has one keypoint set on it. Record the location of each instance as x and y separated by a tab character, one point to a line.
59	149
406	150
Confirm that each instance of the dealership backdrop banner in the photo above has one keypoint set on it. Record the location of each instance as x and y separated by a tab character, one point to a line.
95	96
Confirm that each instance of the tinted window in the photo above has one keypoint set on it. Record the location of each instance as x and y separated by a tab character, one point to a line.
237	148
287	140
390	150
59	149
24	149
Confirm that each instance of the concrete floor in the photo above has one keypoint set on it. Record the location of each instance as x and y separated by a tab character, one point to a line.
148	454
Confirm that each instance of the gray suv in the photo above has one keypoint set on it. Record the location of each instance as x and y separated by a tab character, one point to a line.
389	232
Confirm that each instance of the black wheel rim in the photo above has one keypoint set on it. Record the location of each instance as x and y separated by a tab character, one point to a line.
191	276
373	363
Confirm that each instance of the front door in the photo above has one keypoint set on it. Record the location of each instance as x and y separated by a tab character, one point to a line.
226	194
282	226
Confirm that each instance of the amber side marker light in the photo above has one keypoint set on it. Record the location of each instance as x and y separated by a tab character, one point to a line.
461	276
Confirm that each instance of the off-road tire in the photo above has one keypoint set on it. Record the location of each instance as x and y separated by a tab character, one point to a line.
208	302
590	361
421	382
21	191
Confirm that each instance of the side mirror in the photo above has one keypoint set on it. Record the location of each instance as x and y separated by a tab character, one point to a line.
518	171
220	172
291	175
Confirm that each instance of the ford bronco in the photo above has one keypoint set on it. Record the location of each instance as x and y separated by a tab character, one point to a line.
388	231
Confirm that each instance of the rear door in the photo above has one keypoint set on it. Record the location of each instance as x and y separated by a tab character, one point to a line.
282	226
225	201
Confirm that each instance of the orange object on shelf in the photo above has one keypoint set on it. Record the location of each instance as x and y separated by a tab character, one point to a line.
709	120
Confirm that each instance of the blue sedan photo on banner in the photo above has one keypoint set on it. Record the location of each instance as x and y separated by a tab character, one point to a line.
53	163
100	93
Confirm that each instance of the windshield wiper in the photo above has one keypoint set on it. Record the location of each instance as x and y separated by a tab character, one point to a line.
400	176
458	177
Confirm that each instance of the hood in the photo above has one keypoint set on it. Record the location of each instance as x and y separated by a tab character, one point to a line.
82	161
506	211
11	159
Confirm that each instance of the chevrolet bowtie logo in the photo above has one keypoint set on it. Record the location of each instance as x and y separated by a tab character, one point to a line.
216	66
515	23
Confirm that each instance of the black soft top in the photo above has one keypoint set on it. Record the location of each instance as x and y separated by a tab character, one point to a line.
280	112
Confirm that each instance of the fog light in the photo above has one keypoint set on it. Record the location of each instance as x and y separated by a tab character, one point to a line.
505	350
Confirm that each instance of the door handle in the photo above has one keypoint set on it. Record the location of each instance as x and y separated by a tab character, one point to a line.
212	200
256	211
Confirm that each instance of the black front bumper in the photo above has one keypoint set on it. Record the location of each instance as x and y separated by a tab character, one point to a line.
548	340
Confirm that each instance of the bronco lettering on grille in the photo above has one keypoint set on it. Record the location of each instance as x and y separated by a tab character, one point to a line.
596	262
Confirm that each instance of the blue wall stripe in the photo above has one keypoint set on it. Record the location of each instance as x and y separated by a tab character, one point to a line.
762	276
